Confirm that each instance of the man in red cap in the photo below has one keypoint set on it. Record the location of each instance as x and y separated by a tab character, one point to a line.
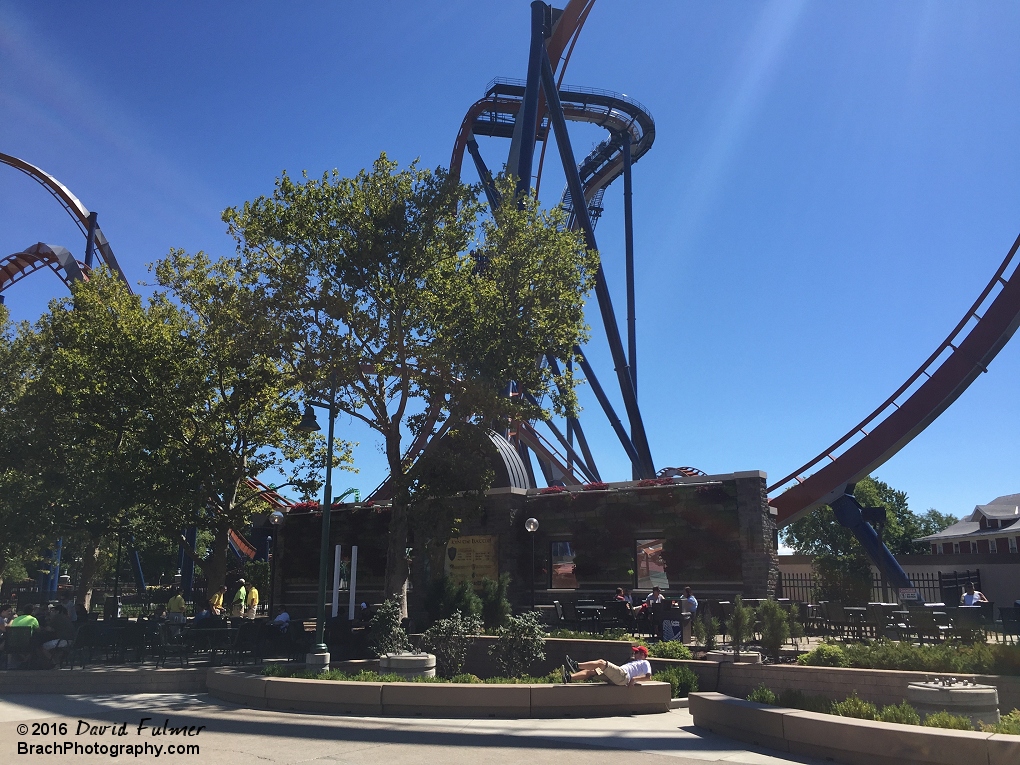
636	669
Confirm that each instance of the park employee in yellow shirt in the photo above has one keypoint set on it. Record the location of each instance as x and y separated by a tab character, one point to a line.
251	602
176	609
216	601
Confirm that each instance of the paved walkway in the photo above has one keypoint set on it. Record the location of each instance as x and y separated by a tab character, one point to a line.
238	736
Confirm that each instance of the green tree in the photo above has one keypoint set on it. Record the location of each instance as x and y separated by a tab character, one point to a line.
843	569
84	441
243	419
395	292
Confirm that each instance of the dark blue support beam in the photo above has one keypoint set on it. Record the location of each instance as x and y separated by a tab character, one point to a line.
848	512
642	460
90	240
483	172
187	566
607	407
136	568
574	425
628	239
571	454
528	114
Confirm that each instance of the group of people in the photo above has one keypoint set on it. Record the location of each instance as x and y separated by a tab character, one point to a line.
52	632
243	605
688	602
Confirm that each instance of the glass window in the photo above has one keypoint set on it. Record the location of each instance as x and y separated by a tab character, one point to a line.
1012	544
991	546
956	547
562	557
651	568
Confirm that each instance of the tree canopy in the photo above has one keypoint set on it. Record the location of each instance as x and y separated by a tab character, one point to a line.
399	295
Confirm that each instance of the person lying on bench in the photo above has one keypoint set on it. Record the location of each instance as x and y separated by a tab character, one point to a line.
636	669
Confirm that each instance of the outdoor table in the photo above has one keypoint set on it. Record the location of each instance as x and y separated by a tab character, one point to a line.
589	612
855	616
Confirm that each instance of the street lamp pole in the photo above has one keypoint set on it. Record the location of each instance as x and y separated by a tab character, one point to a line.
320	652
276	520
532	526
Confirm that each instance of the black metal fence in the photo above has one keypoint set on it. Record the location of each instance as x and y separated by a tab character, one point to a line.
934	587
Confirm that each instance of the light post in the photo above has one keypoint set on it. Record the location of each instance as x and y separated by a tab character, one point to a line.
532	526
276	520
320	653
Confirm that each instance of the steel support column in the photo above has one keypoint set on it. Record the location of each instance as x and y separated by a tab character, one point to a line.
483	172
848	513
628	239
525	131
607	407
90	240
642	459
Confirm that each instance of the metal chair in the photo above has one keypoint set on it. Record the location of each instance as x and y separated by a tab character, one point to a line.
1010	618
17	643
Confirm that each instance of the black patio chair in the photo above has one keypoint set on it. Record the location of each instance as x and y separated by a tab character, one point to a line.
87	640
246	643
172	642
17	643
1010	618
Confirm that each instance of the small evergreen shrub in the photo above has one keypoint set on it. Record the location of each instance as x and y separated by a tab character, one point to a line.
449	639
496	607
853	706
670	649
466	678
900	713
1008	724
775	628
825	655
519	644
385	634
682	680
762	695
796	699
615	633
946	720
446	597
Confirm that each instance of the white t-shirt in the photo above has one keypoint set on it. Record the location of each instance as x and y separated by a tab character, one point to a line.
970	600
637	668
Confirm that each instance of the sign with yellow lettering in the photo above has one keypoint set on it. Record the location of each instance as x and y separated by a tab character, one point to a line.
471	559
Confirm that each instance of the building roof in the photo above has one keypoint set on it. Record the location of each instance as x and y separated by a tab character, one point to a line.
1009	499
997	511
960	528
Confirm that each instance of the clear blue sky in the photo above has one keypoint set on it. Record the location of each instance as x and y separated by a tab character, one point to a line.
830	187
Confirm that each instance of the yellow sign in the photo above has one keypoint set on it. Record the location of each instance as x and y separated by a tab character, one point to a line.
471	559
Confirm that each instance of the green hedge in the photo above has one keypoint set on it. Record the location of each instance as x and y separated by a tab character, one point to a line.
979	658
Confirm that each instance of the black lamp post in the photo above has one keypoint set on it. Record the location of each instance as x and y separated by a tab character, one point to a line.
309	425
276	520
532	526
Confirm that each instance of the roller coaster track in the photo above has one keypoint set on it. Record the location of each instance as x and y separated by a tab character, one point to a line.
939	381
15	267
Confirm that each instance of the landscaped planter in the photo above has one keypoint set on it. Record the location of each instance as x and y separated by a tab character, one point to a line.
848	740
437	699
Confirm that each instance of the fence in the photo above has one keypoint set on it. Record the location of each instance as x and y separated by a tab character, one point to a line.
803	587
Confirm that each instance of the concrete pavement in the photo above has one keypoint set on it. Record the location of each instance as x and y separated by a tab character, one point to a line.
238	736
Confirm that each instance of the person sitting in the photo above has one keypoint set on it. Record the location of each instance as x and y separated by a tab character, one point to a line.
655	597
620	596
972	597
282	620
633	671
58	634
26	619
689	602
81	614
208	612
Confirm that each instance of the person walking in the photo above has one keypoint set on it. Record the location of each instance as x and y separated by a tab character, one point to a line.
251	603
237	605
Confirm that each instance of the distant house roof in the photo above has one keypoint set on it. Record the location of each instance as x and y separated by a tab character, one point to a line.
1003	509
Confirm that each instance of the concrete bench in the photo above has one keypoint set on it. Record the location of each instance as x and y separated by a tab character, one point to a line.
436	699
845	739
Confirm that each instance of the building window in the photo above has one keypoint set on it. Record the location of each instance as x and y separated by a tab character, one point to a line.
991	546
561	555
993	523
956	548
651	568
1012	544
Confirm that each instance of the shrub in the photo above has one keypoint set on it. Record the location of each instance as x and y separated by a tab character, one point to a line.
853	706
705	628
740	624
682	680
797	700
519	644
900	713
615	633
274	670
775	629
466	678
385	634
1008	724
825	655
946	720
670	649
446	597
496	607
449	639
762	695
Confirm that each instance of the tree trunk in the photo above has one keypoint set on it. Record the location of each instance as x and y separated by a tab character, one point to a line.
89	567
396	554
215	566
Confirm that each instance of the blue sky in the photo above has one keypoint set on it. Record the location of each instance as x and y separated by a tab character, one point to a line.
831	185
